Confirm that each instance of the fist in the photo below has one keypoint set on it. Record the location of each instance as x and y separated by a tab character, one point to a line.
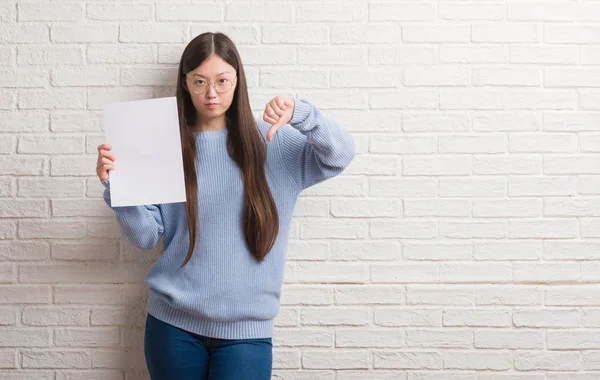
278	112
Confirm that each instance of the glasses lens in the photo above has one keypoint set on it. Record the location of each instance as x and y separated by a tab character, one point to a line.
198	88
223	85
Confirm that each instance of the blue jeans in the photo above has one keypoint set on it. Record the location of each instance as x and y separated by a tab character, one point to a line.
175	354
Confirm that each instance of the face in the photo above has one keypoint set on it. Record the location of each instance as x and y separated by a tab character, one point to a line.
212	74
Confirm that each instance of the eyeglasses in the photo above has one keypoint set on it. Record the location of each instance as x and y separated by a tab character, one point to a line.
199	86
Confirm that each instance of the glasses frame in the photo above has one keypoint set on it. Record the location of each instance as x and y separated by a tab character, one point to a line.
213	86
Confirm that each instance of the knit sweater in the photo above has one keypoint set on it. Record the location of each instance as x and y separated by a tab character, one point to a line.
223	292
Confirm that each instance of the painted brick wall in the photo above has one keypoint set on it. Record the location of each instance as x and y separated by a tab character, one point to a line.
462	243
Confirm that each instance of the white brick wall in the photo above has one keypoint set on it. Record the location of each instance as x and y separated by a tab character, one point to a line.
463	243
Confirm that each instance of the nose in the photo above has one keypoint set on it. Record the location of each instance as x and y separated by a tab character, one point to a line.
212	93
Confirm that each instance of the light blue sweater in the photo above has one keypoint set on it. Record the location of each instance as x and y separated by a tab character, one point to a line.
222	292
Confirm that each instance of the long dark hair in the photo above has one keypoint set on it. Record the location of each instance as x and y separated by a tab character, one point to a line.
245	145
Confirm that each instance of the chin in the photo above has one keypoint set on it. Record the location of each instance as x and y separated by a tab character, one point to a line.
211	114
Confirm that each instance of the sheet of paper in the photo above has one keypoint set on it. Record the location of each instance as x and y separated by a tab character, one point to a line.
145	139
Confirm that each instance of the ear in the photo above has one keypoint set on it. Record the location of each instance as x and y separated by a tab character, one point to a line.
184	84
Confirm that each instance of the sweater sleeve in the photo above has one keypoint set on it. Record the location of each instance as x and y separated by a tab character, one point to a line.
312	147
141	225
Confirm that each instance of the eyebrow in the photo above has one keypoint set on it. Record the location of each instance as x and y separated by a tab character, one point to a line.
199	75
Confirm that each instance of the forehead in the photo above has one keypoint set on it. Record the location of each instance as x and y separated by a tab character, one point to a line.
213	66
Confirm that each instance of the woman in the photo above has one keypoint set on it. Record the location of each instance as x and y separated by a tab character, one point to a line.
215	290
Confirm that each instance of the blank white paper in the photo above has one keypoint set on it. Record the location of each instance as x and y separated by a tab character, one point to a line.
145	140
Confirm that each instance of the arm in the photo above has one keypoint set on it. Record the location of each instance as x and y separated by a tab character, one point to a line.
140	225
313	148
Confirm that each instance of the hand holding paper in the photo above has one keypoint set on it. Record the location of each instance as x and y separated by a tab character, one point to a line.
105	161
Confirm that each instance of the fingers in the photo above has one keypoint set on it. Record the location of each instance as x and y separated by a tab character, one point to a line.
103	169
269	120
105	161
270	116
277	105
103	152
280	101
271	112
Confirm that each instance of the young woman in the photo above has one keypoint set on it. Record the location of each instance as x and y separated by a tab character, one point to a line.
215	290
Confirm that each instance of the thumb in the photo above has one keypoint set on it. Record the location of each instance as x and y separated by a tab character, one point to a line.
274	128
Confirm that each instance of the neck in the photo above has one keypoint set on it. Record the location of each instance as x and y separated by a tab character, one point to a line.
214	124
